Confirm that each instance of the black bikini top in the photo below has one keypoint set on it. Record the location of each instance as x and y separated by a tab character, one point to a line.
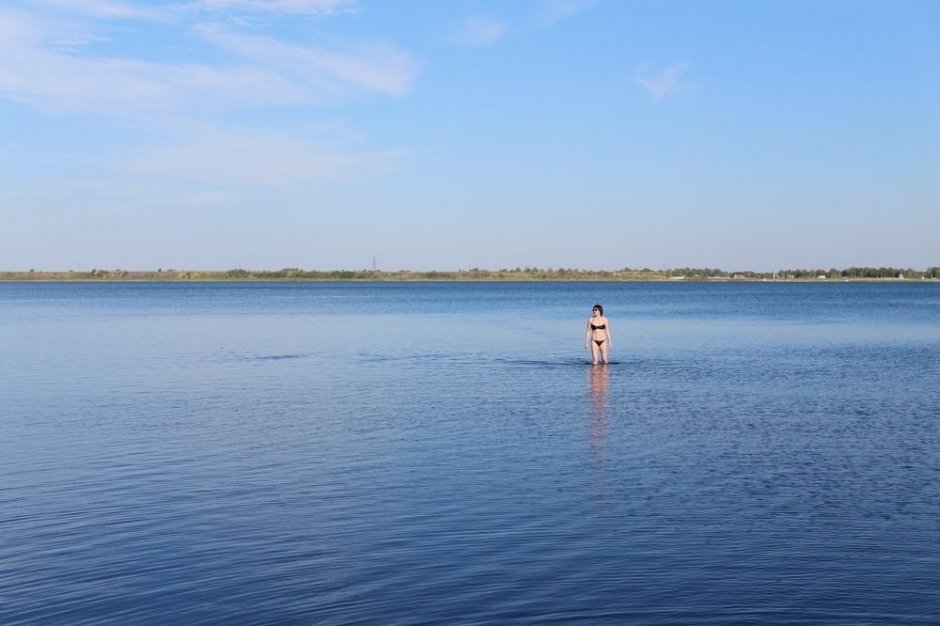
601	327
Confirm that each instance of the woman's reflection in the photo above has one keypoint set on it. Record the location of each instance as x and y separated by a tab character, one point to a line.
598	383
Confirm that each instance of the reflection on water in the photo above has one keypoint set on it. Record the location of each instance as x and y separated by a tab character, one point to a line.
215	453
599	385
598	381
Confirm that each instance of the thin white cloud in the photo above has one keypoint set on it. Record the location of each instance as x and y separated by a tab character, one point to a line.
481	31
553	12
15	28
662	83
110	9
486	31
77	39
44	65
249	158
376	67
136	90
36	69
290	7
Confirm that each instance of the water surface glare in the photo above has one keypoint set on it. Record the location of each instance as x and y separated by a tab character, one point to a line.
427	453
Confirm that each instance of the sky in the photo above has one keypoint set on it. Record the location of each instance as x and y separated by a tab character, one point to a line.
458	134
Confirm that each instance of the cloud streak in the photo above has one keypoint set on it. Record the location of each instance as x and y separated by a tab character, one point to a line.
374	67
290	7
249	158
481	31
109	9
554	12
37	70
662	83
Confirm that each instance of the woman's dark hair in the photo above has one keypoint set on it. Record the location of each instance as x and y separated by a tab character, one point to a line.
599	308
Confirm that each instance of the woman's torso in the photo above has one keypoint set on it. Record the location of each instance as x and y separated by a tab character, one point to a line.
598	327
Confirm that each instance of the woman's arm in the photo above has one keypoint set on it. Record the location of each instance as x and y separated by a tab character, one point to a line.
610	340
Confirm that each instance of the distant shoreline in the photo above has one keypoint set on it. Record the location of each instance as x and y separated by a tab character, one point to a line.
206	281
855	274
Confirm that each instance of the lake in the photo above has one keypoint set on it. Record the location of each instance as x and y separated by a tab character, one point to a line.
430	453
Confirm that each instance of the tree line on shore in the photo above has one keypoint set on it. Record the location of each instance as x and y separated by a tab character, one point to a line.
518	273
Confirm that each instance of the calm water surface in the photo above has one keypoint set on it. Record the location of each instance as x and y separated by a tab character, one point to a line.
444	453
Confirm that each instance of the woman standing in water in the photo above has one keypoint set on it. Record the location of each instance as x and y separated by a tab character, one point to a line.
597	334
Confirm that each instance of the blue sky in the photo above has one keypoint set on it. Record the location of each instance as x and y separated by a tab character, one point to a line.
596	134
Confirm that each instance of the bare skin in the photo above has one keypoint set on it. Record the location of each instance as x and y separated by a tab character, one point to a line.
598	339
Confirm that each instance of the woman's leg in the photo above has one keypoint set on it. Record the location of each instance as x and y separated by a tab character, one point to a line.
603	348
595	350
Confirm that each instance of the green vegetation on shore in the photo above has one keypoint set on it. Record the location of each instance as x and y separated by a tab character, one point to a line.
477	274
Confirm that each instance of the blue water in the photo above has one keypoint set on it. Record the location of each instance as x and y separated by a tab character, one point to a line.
444	453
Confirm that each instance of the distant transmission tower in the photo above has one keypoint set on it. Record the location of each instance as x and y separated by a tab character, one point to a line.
373	264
